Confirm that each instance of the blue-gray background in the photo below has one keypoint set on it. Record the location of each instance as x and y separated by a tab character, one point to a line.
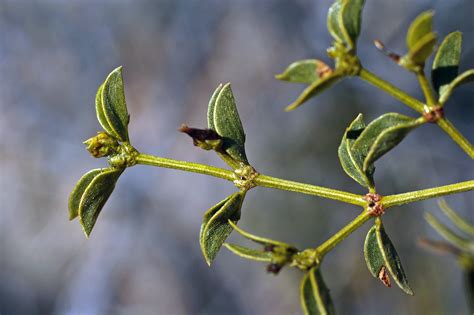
143	256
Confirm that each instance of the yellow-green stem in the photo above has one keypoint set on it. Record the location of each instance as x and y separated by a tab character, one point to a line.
261	180
399	199
426	88
325	247
457	137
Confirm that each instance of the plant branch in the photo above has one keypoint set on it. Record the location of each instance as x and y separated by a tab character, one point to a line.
418	106
325	247
457	137
261	180
400	95
426	88
399	199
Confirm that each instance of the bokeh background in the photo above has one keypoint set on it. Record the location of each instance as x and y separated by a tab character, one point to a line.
143	256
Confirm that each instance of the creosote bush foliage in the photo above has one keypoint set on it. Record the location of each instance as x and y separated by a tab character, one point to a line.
363	143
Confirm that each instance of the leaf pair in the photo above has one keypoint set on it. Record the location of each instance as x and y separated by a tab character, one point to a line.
111	107
314	72
223	118
90	194
95	187
344	21
362	145
445	68
216	225
276	253
381	256
315	298
421	41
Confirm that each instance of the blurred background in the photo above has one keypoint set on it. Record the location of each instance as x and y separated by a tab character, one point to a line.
143	256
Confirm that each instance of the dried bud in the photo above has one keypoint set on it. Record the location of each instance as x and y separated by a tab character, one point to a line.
384	277
206	139
101	145
274	268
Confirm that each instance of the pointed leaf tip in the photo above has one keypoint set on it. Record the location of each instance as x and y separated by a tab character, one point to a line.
215	227
111	106
314	294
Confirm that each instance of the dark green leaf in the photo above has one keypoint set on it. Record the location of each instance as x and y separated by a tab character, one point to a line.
465	77
446	62
78	191
373	256
419	28
422	49
223	117
315	298
111	106
380	136
348	160
335	23
215	227
314	89
303	71
257	239
249	253
351	16
392	260
95	196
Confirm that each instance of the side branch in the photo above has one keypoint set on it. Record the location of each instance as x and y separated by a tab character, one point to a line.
399	199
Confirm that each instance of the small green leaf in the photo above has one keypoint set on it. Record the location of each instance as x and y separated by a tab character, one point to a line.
450	236
223	117
78	191
111	106
303	71
95	196
250	253
257	239
315	88
334	22
351	16
349	162
373	256
419	28
380	136
465	77
315	298
392	260
446	62
422	49
215	227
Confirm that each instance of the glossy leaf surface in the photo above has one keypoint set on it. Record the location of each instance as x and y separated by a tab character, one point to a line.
350	163
215	227
351	16
334	22
95	196
446	63
315	297
392	260
78	192
422	49
223	117
111	107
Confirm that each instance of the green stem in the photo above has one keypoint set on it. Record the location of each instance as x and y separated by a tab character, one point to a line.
399	199
282	184
261	180
391	89
325	247
418	106
185	166
448	127
426	88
